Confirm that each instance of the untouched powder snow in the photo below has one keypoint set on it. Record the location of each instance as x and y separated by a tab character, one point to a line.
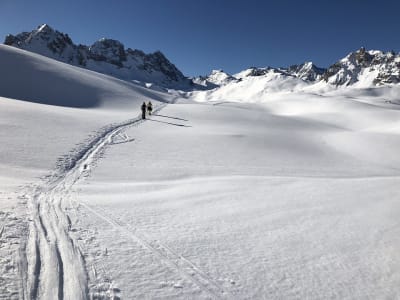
243	192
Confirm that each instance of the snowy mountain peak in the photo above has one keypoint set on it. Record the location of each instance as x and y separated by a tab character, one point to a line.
216	78
219	77
107	56
45	28
306	71
362	68
256	72
108	50
365	68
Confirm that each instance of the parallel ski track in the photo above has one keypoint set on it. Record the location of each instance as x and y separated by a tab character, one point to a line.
54	264
184	266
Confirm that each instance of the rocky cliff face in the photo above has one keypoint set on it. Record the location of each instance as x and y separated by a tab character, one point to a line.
106	56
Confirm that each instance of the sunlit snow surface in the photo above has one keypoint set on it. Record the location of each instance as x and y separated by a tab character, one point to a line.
292	196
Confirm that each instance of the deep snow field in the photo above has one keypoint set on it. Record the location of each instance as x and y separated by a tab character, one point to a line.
238	193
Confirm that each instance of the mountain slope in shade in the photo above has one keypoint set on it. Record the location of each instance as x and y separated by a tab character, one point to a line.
105	56
35	78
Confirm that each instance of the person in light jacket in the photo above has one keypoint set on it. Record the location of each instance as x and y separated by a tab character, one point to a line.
149	108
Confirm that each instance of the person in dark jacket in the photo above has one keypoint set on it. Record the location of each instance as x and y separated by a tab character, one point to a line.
143	107
149	108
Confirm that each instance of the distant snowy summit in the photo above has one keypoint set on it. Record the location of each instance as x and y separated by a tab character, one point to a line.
306	71
105	56
215	79
360	68
365	67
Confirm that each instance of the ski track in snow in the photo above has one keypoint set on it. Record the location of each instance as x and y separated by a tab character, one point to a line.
54	265
166	255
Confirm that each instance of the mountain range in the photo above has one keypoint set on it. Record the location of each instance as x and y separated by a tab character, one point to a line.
360	68
105	56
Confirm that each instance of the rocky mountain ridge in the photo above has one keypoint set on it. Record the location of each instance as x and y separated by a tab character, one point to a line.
373	67
361	68
106	56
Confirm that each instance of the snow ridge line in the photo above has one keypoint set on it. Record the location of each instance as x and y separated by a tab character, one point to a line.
54	264
184	266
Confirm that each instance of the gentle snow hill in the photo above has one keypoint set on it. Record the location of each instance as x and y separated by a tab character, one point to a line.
294	198
35	78
78	103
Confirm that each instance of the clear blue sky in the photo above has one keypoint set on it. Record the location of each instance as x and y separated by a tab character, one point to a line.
198	36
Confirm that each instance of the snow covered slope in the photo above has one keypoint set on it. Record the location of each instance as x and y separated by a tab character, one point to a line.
294	195
105	56
40	143
292	199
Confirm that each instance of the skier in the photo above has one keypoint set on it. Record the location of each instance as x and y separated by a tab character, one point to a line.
143	107
149	107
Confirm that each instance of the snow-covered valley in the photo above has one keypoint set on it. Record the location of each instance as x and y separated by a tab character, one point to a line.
267	188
